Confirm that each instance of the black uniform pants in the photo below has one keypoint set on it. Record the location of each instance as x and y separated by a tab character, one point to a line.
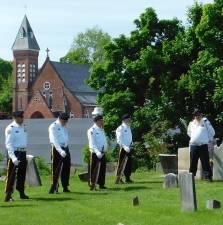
102	172
21	173
128	167
200	152
65	167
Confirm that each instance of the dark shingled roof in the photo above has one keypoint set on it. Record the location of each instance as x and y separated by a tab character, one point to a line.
74	77
25	39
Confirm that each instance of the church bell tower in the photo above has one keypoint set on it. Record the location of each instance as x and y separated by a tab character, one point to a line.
25	65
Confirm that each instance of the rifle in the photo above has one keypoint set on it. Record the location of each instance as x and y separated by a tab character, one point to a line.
10	183
96	173
120	172
54	187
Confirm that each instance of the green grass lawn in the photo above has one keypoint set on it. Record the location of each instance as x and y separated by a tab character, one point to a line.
158	206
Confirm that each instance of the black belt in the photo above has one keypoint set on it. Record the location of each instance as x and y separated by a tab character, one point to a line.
21	149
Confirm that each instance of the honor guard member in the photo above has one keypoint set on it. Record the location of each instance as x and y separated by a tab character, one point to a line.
124	139
97	146
60	155
201	133
16	143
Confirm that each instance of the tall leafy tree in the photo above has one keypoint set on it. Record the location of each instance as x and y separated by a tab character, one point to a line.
134	65
87	47
6	83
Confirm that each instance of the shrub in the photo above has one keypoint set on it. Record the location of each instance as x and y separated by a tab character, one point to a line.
42	166
1	157
111	154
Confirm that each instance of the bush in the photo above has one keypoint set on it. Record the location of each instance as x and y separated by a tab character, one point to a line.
85	154
42	166
111	154
1	157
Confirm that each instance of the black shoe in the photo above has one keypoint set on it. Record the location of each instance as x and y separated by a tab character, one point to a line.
128	181
119	182
102	187
92	188
66	190
10	199
23	196
210	179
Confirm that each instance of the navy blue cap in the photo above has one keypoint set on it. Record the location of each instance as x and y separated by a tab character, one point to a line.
98	117
126	116
18	114
64	116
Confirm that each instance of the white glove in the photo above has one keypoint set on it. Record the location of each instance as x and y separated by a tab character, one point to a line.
15	161
127	149
99	154
63	153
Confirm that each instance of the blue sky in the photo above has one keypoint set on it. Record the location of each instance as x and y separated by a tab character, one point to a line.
56	22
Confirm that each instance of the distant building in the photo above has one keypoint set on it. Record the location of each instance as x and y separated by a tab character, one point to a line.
56	87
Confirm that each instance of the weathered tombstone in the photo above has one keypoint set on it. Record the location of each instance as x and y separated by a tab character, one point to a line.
170	181
83	176
3	178
135	201
168	163
188	192
184	162
32	174
158	167
3	165
111	168
213	204
218	163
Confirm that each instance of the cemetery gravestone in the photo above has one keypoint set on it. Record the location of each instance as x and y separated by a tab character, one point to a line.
170	181
188	192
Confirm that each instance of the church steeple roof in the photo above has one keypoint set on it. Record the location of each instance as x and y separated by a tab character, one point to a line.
25	39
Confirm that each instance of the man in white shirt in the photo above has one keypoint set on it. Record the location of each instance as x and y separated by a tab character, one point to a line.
124	139
97	146
201	133
60	155
16	143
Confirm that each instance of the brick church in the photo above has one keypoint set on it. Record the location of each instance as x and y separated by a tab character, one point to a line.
55	87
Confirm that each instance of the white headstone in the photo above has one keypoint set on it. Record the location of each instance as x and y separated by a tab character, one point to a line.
170	181
32	174
188	192
184	162
218	163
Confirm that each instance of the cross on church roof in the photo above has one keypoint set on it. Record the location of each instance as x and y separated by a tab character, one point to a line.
47	52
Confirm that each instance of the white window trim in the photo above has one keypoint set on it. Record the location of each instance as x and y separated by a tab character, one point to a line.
47	83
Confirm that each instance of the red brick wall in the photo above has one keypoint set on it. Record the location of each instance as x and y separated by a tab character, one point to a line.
37	108
58	90
21	91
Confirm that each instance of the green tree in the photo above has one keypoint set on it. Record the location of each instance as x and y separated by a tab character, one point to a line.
134	65
87	47
5	86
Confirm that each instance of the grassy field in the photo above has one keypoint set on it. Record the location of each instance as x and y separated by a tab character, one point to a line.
158	206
